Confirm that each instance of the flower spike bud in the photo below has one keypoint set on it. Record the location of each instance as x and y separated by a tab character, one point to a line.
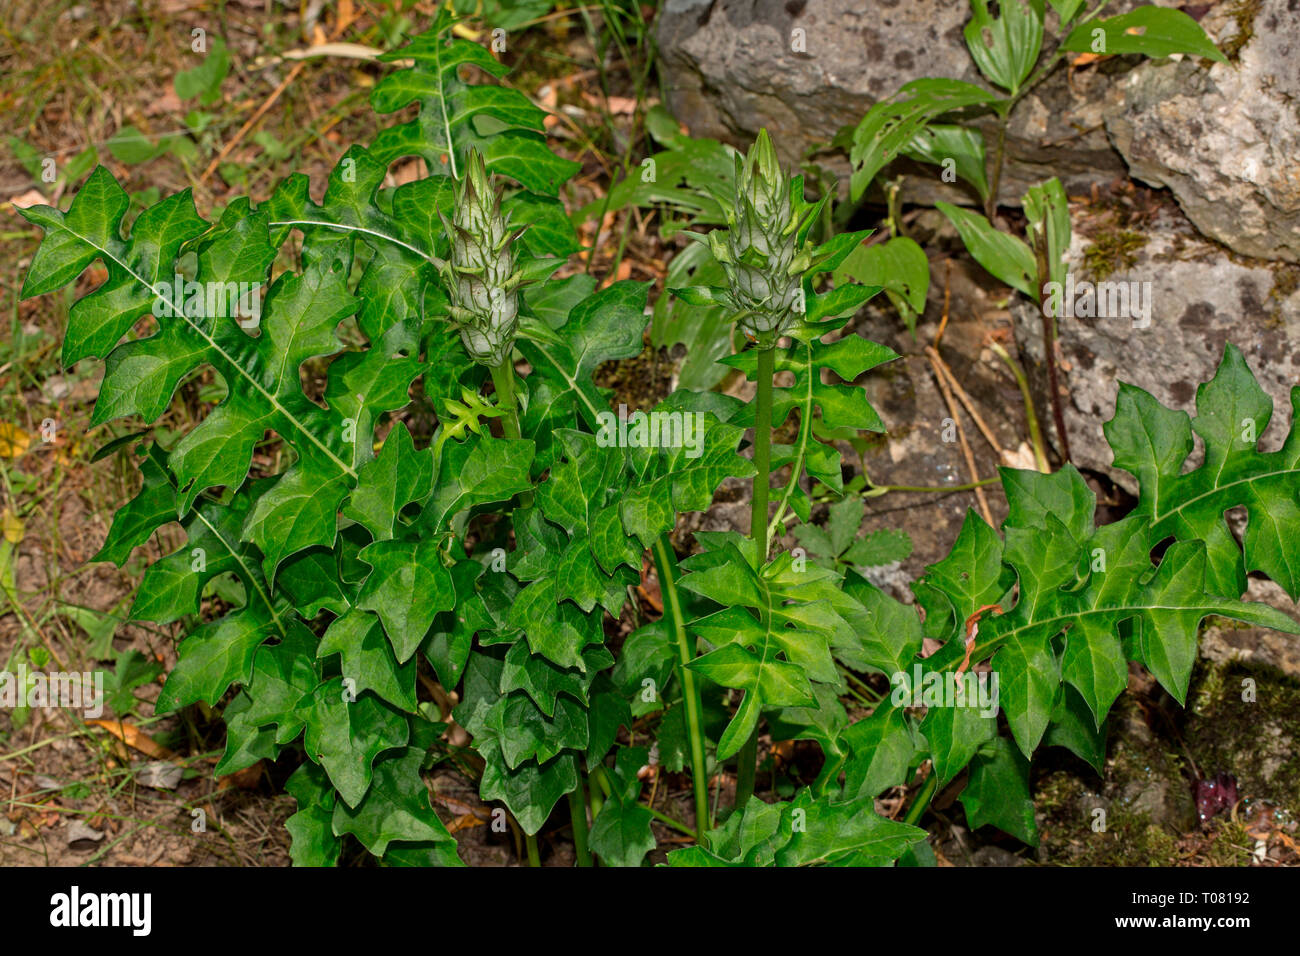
481	277
761	255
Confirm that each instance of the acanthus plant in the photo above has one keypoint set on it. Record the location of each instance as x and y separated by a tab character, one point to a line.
389	555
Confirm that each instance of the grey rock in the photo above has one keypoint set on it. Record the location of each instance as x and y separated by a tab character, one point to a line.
1225	141
730	67
81	837
1201	297
994	856
1232	641
1163	801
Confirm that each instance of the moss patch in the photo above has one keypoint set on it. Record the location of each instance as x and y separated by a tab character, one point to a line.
1243	14
1254	741
1112	251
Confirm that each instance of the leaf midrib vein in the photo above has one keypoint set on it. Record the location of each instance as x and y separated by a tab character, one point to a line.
212	343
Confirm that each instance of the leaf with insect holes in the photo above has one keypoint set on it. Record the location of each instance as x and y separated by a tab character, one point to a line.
1148	30
1004	42
942	143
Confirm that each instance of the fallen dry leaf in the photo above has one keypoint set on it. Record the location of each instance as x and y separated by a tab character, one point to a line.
247	779
33	197
13	441
134	737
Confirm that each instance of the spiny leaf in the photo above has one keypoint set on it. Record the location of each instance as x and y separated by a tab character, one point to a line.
667	481
347	732
395	808
402	570
773	636
998	792
1153	442
453	114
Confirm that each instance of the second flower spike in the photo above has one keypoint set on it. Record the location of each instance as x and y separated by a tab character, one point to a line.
761	253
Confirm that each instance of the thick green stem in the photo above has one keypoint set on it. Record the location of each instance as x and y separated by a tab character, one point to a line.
747	758
578	812
666	566
762	452
503	380
534	858
805	439
923	798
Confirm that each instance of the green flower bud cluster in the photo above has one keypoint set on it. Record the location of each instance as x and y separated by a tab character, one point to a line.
482	280
761	251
